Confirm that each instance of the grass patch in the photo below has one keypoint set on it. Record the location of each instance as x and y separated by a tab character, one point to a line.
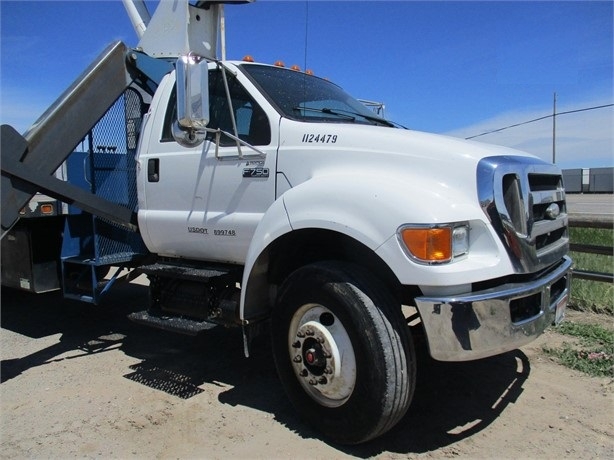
592	295
592	353
587	332
596	236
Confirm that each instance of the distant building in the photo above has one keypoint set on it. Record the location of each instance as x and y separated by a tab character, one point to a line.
589	180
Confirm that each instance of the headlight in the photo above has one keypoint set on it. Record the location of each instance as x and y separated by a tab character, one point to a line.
460	240
434	244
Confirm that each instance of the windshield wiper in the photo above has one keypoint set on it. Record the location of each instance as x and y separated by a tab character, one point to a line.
350	115
326	111
372	118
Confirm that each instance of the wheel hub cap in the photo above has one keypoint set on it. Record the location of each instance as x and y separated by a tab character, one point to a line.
322	356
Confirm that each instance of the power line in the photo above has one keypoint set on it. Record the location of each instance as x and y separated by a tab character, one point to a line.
584	110
540	118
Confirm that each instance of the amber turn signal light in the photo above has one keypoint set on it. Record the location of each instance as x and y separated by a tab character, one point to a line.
428	244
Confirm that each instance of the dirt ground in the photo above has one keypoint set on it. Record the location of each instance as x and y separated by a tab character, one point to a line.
83	381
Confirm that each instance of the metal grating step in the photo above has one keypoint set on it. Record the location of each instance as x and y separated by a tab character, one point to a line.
191	273
171	323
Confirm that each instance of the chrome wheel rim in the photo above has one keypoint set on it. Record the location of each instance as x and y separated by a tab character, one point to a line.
322	355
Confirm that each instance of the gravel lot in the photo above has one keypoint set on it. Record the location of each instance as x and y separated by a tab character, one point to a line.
83	381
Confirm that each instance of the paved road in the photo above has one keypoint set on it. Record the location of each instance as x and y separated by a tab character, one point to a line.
588	206
592	204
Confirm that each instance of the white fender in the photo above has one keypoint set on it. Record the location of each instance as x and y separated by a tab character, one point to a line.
369	210
274	224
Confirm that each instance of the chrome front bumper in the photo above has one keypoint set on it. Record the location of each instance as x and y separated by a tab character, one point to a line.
487	323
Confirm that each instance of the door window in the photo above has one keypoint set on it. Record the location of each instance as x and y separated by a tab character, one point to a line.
252	123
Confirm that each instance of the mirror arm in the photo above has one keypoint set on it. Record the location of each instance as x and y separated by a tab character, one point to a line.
218	133
231	109
225	67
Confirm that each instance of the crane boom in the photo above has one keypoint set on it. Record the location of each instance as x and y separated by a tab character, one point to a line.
178	28
138	14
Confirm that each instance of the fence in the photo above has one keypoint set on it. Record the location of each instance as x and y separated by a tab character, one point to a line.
592	249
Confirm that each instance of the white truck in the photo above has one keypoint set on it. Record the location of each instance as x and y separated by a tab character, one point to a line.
266	198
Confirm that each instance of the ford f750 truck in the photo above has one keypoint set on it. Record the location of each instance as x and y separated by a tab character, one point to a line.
266	198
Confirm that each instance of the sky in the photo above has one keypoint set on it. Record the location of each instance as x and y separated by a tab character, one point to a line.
456	68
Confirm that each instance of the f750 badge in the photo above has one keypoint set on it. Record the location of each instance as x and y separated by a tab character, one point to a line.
256	172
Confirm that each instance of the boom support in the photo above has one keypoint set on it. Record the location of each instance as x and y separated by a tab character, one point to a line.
28	162
56	133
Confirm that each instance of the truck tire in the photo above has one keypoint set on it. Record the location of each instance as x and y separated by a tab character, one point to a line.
343	351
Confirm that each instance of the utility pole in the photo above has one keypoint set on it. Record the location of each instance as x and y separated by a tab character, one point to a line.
554	130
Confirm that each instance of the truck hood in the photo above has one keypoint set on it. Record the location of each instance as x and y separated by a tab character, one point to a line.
434	164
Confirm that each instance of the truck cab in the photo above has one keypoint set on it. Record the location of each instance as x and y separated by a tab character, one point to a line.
313	171
315	199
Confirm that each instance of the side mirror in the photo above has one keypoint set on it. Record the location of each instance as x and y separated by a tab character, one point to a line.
192	80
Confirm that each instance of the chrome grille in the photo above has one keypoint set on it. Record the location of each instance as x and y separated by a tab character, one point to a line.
524	200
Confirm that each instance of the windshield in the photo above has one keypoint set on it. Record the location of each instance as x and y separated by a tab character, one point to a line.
304	97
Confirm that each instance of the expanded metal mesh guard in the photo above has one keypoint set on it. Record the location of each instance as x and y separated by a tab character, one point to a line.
112	146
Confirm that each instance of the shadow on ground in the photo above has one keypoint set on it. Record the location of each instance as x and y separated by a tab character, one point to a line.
452	400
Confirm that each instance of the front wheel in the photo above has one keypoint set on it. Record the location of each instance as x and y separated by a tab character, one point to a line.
343	351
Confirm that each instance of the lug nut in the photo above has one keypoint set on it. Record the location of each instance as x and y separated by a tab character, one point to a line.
297	359
304	373
322	380
312	382
296	344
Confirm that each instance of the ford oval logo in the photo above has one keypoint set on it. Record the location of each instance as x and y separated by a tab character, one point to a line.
553	211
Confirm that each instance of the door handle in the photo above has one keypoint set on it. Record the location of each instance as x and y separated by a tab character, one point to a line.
153	170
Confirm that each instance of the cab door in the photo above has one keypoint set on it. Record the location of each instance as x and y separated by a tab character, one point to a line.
205	202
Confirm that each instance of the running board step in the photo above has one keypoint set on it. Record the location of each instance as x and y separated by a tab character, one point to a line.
171	323
185	272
